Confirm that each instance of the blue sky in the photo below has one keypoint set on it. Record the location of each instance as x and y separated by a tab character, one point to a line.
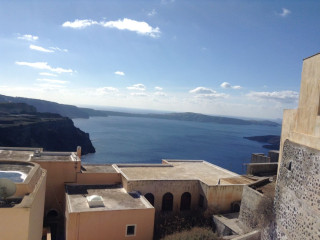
236	58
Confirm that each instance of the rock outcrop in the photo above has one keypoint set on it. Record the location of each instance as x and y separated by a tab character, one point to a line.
49	131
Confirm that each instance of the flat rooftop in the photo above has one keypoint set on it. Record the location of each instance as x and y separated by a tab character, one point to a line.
98	168
115	197
55	156
15	155
180	170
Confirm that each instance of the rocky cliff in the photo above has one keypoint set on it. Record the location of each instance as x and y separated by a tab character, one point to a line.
49	131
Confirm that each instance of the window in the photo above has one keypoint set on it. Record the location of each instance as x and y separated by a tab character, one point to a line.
201	201
289	166
150	198
167	202
131	230
185	201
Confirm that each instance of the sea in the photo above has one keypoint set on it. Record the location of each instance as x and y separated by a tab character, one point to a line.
147	140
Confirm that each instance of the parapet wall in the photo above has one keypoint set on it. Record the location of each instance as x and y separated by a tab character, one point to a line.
249	208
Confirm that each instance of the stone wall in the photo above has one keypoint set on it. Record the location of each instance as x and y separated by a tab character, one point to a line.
297	198
259	158
249	205
160	187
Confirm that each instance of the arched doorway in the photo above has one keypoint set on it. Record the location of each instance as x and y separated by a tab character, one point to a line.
167	202
150	198
185	203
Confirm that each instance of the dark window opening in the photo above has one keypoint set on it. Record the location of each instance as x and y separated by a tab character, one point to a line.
235	206
52	214
201	201
131	230
185	201
167	202
150	198
289	166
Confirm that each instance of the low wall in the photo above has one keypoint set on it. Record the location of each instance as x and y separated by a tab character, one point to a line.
249	207
221	197
260	169
98	178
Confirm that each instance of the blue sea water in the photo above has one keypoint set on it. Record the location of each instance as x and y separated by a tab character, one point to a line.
145	140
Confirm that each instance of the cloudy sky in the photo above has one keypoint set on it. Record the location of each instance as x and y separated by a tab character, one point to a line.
236	58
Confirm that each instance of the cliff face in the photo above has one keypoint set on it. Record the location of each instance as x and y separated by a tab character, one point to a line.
53	134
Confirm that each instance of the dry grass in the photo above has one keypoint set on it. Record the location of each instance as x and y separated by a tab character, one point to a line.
195	233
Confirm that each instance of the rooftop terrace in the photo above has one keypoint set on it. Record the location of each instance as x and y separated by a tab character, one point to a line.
181	170
114	198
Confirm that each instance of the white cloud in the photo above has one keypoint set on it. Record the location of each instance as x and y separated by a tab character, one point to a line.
158	88
44	66
78	24
228	85
28	37
214	95
41	49
202	92
152	13
119	73
285	12
139	94
59	49
54	81
124	24
48	74
161	94
236	87
106	90
282	96
132	25
139	87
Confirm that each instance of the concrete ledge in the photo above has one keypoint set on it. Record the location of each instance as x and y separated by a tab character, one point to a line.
254	235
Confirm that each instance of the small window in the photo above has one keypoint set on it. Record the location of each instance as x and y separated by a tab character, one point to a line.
289	166
131	230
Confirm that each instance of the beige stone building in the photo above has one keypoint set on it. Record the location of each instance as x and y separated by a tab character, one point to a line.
120	201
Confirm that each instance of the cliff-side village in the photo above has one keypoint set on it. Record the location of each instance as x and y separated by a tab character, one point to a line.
52	195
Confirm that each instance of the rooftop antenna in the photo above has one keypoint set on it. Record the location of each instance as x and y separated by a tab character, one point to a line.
7	188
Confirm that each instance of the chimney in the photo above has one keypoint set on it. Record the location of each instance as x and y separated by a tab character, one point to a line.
79	152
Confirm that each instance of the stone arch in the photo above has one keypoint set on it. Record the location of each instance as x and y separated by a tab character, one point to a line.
167	202
150	198
235	206
185	203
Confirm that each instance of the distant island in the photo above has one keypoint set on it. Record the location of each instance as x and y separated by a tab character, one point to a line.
78	112
22	126
272	140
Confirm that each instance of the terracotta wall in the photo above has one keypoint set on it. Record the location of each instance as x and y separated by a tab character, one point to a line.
101	225
25	220
58	173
